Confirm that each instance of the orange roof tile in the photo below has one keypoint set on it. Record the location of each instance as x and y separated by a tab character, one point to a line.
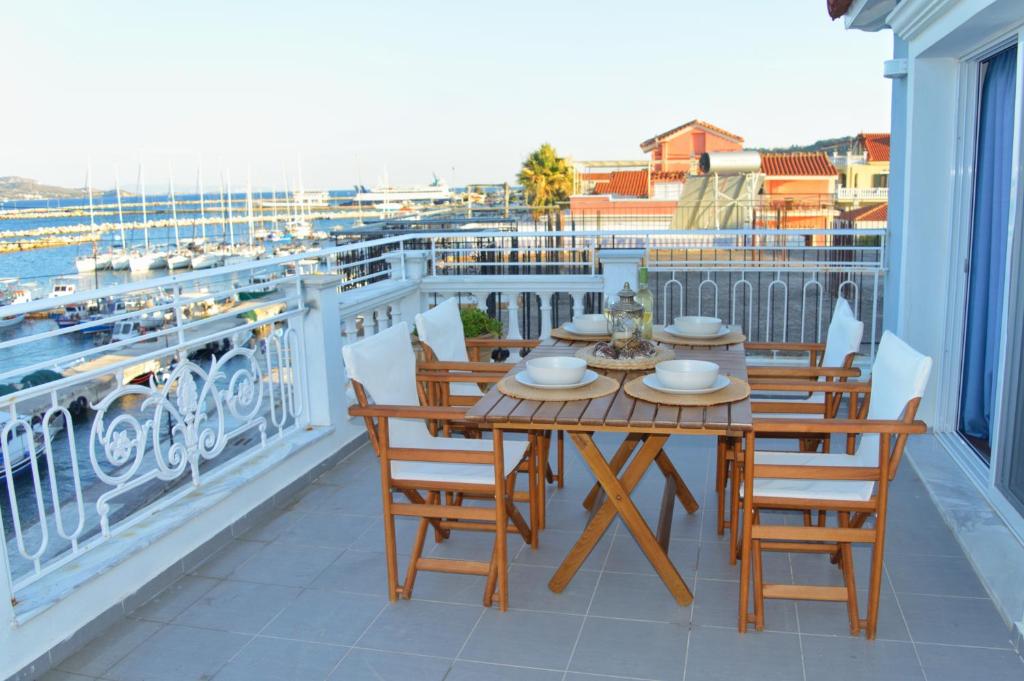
648	144
876	144
624	183
811	164
598	177
876	213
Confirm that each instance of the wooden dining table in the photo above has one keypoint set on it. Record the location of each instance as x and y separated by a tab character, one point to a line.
647	427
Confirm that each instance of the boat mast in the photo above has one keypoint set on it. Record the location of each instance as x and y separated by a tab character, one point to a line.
174	206
231	221
202	203
248	201
142	192
223	225
120	212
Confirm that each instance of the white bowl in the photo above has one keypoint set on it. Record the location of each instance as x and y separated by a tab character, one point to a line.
699	326
556	370
686	374
591	323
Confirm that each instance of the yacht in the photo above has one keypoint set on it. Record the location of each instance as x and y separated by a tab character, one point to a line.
11	294
21	444
62	287
392	195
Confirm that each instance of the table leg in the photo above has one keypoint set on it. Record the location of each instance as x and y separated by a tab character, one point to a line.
617	461
681	490
618	496
668	497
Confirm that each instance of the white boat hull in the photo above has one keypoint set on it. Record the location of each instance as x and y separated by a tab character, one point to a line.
147	262
205	261
120	262
178	262
11	321
85	265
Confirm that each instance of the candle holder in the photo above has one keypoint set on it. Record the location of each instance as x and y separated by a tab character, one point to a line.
625	318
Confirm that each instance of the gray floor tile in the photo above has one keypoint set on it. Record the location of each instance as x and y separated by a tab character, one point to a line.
636	596
945	576
330	530
372	538
844	658
272	528
357	571
422	628
713	563
955	621
725	655
577	676
954	663
528	590
57	675
526	639
102	653
555	546
656	650
716	604
625	556
228	559
446	587
241	607
370	665
326	617
167	605
177	653
464	670
272	659
831	619
286	565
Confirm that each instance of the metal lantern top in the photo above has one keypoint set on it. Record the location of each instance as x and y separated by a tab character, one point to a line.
626	304
626	316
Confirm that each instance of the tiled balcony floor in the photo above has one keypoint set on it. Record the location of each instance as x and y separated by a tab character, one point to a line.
303	597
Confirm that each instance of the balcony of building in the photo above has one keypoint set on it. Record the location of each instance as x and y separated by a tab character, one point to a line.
197	503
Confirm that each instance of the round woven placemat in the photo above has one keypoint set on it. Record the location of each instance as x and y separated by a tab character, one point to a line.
587	354
737	390
663	336
604	385
562	334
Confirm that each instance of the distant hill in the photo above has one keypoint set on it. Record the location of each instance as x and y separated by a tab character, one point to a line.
830	144
14	188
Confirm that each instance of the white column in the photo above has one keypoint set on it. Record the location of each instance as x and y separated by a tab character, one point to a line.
577	303
351	329
382	318
481	300
513	325
619	265
407	264
545	315
325	373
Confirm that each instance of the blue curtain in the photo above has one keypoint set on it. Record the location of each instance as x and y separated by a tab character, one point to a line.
988	243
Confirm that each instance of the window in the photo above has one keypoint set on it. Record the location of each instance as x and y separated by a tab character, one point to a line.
986	265
880	181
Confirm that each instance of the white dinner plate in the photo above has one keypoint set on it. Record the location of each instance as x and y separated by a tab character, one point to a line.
651	381
571	328
588	377
717	334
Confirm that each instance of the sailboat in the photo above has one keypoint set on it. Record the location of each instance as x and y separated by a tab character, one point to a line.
207	257
179	259
88	264
119	260
148	259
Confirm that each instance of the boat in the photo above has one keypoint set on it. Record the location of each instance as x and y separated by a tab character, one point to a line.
205	260
148	258
260	285
11	294
393	195
126	330
62	287
179	260
16	453
120	260
87	264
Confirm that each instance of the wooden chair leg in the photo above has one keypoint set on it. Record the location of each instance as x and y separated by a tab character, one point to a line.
501	501
492	578
721	468
757	567
746	522
561	459
734	497
391	552
417	549
540	454
846	560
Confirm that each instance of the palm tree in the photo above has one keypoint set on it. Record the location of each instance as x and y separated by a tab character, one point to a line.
546	177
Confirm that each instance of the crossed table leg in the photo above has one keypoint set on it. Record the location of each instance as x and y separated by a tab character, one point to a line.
617	501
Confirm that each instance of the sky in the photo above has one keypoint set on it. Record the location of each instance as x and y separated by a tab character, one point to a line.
374	90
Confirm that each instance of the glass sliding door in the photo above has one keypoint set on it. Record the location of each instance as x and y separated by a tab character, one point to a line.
986	277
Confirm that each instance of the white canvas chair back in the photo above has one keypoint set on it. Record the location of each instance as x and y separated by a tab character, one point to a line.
844	335
899	374
441	329
385	366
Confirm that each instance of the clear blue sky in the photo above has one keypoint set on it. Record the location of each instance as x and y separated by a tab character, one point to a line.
412	87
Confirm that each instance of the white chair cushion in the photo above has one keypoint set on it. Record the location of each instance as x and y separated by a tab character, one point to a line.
840	490
441	329
844	336
385	365
473	473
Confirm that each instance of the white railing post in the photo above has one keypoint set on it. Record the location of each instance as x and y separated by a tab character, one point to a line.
577	303
325	378
545	315
619	266
513	325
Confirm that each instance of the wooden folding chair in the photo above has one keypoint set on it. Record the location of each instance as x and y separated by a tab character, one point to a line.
836	357
855	487
423	467
441	335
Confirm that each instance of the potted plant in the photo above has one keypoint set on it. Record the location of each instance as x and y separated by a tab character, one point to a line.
478	324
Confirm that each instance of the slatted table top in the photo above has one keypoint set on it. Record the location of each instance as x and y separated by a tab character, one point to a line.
619	411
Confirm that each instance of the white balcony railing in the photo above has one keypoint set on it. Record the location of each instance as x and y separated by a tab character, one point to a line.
130	431
862	194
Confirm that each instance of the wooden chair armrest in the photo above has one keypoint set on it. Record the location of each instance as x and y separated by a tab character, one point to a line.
803	347
801	372
408	411
501	343
484	367
810	386
852	426
443	377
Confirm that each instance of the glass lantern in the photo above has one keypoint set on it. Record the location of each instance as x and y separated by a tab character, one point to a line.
625	317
